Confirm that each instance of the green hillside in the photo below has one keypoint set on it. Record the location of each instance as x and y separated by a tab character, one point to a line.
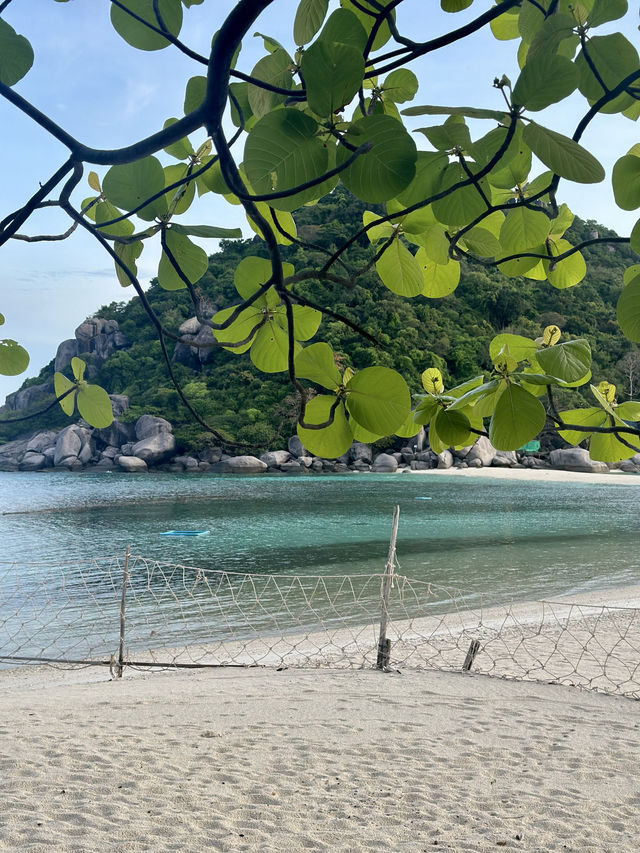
452	333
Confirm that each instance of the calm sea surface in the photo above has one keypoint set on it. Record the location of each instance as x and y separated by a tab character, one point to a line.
517	539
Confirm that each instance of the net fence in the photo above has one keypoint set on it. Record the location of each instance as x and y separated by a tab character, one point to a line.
136	612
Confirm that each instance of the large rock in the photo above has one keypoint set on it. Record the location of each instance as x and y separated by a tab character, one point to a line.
148	425
631	466
241	465
132	464
361	452
156	448
385	464
40	442
119	404
505	459
33	462
27	397
69	446
115	435
445	459
576	459
482	450
99	337
295	447
275	458
65	352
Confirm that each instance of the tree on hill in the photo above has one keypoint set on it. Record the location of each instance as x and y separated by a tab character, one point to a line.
484	185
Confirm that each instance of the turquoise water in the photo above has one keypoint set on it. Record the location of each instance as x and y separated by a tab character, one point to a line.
519	538
497	539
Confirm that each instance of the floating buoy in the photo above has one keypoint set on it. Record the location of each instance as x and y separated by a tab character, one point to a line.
423	499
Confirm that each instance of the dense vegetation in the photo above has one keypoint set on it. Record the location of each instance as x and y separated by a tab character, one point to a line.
452	333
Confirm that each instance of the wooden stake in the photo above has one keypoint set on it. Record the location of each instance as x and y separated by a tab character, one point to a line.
123	601
474	648
384	645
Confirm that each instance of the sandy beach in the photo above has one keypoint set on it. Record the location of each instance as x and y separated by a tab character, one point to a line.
260	760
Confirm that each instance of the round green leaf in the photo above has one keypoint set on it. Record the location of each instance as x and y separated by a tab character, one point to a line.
517	346
438	279
628	310
306	321
309	17
400	86
191	259
569	361
505	26
564	156
131	184
518	417
378	399
343	26
94	406
384	33
240	329
385	170
16	55
523	229
462	205
399	270
275	69
566	273
60	386
545	80
194	93
181	150
316	363
333	440
14	359
614	58
605	447
128	254
581	417
104	211
270	348
135	33
282	152
626	182
452	427
332	74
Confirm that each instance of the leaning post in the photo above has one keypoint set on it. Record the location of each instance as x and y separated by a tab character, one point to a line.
384	644
123	602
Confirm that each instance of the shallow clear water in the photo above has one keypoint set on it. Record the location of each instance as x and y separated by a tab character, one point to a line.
520	538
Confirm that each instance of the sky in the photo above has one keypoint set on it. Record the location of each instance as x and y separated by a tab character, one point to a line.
107	94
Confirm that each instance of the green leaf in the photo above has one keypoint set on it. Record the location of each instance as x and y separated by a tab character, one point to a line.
16	55
462	205
518	417
94	406
181	150
128	254
400	86
378	399
435	243
614	58
564	156
473	395
306	321
194	93
545	80
191	259
104	211
399	270
566	273
385	170
605	447
282	152
270	348
581	417
523	229
482	242
505	26
135	32
271	44
517	346
629	411
275	69
607	10
78	367
60	386
284	219
429	167
2	320
455	5
131	184
241	328
628	310
251	273
468	112
453	427
316	363
569	361
438	279
376	232
425	410
178	200
14	359
333	74
207	231
626	182
332	441
454	133
344	27
630	273
309	17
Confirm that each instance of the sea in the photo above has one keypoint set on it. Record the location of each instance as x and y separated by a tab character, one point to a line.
500	540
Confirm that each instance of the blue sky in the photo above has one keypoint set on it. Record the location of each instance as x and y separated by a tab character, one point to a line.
107	94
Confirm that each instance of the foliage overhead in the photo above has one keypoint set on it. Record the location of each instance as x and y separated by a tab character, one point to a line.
476	185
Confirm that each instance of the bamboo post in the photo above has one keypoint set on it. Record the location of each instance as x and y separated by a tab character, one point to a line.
123	601
384	645
474	648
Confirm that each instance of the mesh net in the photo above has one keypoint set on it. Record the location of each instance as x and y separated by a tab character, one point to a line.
174	616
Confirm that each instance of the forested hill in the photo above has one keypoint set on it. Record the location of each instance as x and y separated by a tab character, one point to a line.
452	333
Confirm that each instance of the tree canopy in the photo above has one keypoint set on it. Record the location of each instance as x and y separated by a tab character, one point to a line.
475	184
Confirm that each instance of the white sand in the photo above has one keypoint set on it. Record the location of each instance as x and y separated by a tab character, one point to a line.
613	477
257	760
